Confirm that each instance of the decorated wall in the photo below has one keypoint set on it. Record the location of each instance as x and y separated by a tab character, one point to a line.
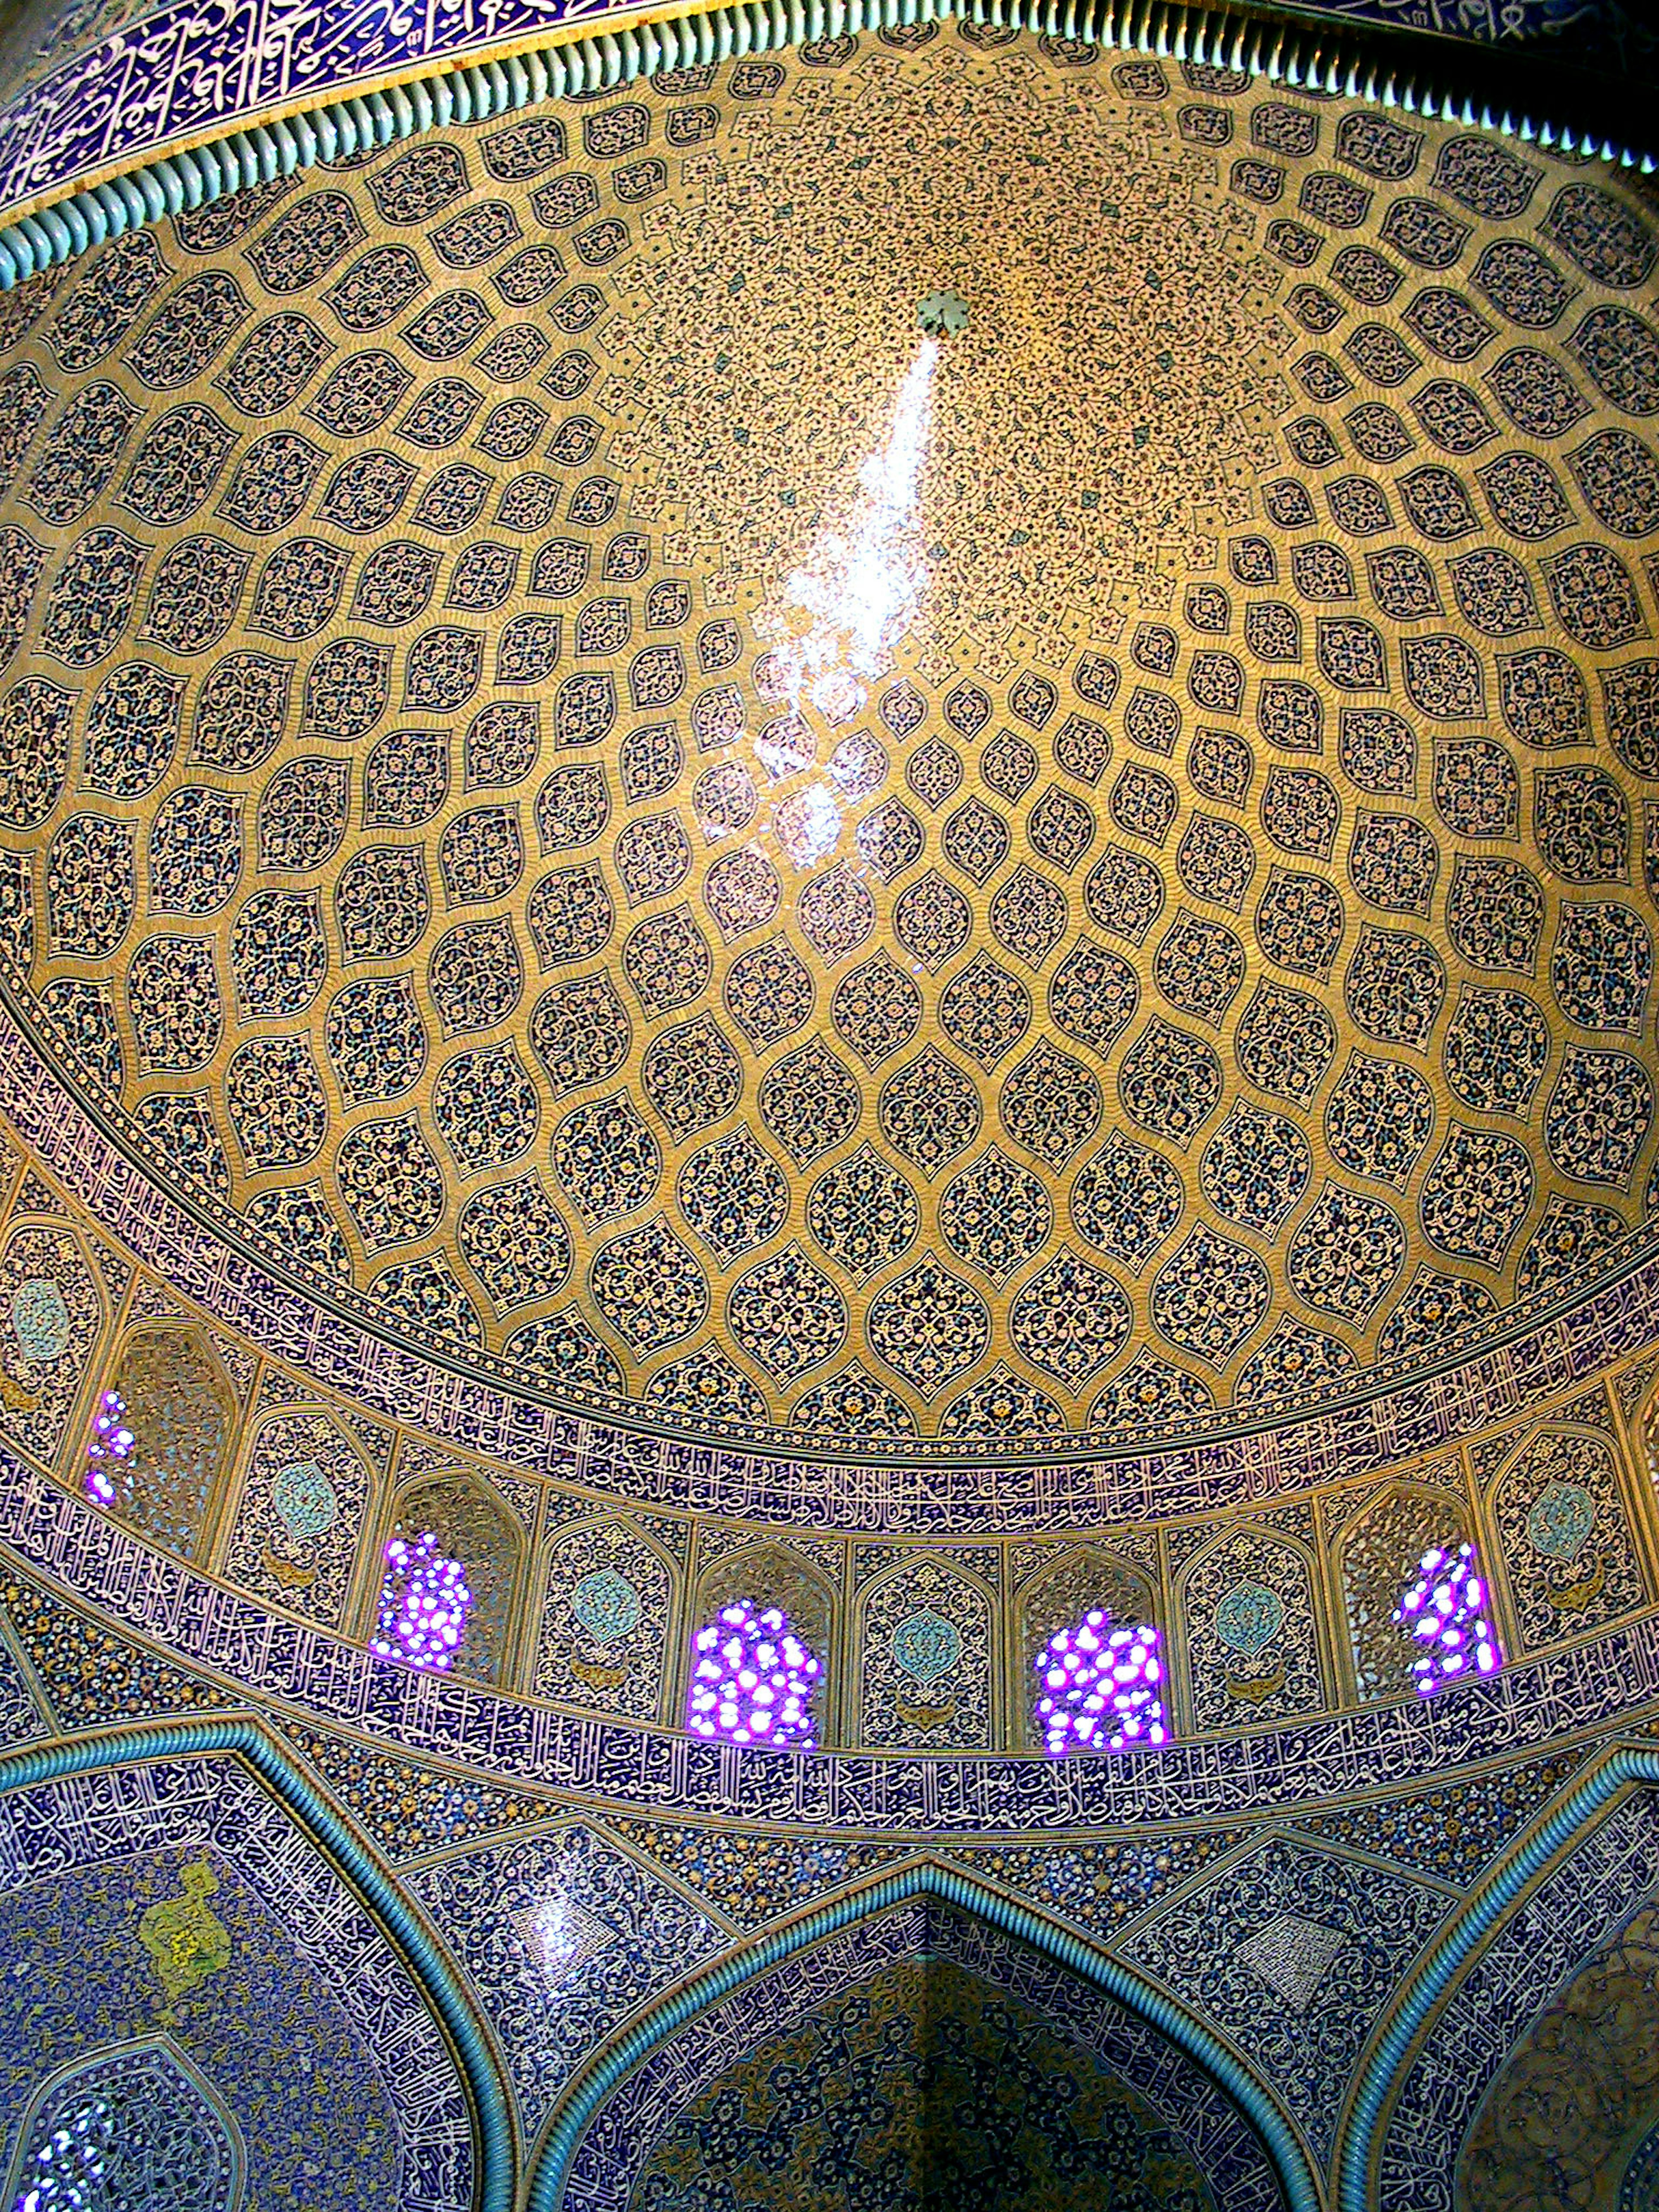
829	1323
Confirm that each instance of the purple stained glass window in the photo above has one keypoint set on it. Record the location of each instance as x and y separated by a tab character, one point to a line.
1101	1687
111	1440
1448	1613
752	1679
424	1604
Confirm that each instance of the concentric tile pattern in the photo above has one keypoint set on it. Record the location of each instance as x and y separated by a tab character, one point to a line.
1226	964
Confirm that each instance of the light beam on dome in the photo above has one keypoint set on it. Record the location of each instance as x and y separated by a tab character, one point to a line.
839	618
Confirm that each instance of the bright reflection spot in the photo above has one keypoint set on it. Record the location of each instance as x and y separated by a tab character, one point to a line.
838	619
1446	1612
859	591
561	1936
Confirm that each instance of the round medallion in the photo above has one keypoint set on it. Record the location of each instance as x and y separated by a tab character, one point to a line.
927	1646
303	1499
1559	1524
40	1318
606	1604
1248	1617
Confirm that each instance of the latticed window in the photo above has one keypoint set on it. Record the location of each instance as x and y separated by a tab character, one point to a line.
448	1572
170	1401
127	2132
1379	1560
1446	1612
752	1679
1100	1687
759	1650
1088	1634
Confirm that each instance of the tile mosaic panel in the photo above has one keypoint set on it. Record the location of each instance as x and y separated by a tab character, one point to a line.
850	1289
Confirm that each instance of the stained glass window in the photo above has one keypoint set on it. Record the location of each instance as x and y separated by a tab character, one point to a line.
424	1604
1448	1613
752	1679
1100	1688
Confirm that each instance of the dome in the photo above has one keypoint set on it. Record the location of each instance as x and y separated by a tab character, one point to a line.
829	1316
598	802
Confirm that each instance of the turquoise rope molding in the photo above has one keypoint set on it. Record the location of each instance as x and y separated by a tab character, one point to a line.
1488	1904
434	1976
1332	62
582	2100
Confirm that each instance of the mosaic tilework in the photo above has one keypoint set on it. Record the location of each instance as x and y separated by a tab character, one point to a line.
866	1283
604	1622
1588	2052
21	1717
922	2080
562	1935
753	1879
1449	1834
1528	1370
88	1672
1102	1884
1566	1923
1569	1553
98	1900
1358	1929
55	1315
1591	1686
299	1517
1251	1638
409	1809
652	2099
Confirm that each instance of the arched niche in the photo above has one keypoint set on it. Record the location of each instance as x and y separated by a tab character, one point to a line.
775	1574
1058	1596
1573	2116
51	1313
182	1412
1250	1630
925	1640
135	2123
605	1621
896	1985
300	1515
471	1523
1565	1542
1376	1559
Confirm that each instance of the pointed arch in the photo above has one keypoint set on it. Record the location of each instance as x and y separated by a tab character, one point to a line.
184	2125
771	1572
1565	1549
182	1410
926	1635
1248	1607
473	1523
1396	2045
603	1600
697	1997
350	1857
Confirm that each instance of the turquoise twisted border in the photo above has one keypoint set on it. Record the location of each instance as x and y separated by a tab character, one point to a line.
582	2100
1331	58
434	1976
1488	1902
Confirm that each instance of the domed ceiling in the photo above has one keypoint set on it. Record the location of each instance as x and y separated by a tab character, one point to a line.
581	783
